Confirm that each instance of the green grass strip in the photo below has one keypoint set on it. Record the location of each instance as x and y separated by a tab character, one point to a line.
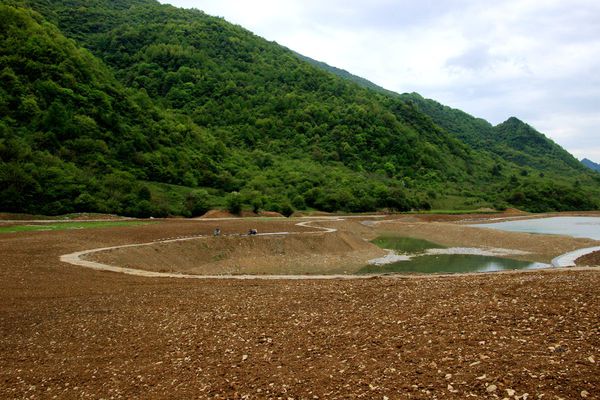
68	225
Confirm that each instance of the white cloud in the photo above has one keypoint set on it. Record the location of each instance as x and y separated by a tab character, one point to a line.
534	60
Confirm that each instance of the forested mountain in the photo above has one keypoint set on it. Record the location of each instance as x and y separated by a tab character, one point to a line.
513	140
143	109
590	164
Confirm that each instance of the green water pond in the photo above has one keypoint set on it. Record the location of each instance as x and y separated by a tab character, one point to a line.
439	263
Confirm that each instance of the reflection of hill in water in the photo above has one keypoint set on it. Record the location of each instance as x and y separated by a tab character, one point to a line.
451	263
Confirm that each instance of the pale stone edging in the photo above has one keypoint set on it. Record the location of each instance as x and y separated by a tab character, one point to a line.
76	259
568	259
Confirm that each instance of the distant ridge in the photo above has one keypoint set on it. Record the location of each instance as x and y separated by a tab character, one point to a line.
590	164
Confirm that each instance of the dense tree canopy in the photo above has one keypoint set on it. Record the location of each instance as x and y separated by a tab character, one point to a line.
144	109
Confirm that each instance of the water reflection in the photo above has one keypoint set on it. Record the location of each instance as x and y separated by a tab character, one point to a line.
451	263
579	227
421	260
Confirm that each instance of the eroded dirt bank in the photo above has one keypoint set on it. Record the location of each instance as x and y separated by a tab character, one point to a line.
70	332
590	259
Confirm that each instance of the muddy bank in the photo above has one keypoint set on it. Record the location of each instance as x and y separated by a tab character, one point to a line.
592	259
343	252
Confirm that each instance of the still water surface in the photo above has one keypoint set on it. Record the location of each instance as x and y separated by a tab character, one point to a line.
579	227
451	263
439	263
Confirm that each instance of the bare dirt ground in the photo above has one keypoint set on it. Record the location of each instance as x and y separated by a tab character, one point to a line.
70	332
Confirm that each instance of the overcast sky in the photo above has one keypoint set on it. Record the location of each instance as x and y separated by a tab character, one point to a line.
536	60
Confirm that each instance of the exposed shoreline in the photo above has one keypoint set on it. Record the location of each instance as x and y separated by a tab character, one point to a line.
81	258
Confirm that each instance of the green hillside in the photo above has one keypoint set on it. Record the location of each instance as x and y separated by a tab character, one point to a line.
145	109
513	140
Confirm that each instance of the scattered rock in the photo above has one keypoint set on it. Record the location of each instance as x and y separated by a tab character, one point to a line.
491	388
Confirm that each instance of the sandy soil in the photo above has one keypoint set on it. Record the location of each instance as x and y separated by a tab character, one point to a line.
70	332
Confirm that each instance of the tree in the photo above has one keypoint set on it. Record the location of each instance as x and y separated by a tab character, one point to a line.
197	202
234	203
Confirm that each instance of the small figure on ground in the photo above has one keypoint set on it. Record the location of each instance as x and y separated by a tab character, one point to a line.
217	232
252	232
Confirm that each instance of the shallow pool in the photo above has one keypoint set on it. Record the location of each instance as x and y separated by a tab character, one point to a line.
419	258
451	263
579	227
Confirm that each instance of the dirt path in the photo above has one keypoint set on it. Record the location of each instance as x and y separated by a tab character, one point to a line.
77	258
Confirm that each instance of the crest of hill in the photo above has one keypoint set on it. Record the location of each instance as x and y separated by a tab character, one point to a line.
590	164
513	140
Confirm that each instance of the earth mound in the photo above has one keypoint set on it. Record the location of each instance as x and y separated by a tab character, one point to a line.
218	214
243	214
279	254
592	259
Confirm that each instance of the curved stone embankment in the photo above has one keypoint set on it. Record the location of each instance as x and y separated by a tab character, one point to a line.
324	253
568	259
275	255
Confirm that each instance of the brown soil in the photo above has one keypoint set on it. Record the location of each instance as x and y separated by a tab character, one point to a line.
218	214
299	214
243	214
11	216
70	332
271	214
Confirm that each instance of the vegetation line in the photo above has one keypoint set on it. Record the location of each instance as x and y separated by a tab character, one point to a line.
64	225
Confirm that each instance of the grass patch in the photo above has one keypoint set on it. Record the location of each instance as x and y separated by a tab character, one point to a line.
404	244
69	225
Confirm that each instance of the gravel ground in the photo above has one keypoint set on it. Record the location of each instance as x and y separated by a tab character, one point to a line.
68	332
